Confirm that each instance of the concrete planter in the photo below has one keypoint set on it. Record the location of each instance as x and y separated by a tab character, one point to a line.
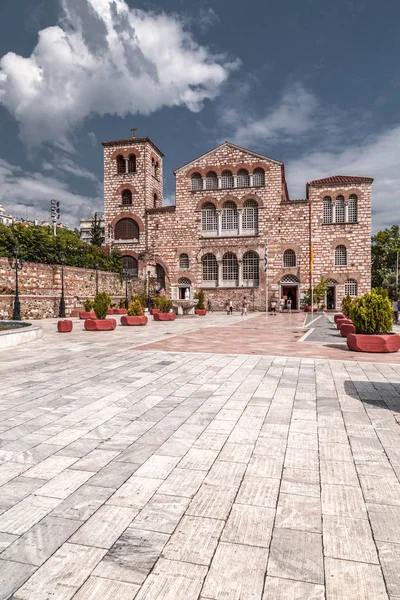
340	322
64	326
100	324
154	311
164	316
339	316
359	342
87	315
309	309
347	328
119	311
134	321
201	312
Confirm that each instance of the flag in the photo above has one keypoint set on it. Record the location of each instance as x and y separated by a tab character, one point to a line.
266	257
312	258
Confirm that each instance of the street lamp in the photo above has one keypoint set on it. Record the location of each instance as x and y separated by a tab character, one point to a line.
62	299
96	266
126	277
16	262
148	291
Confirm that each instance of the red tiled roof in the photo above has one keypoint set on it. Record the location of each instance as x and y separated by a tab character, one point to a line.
340	179
130	141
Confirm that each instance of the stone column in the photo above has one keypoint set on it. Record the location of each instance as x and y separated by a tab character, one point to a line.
333	212
220	274
251	179
235	181
240	273
126	165
346	212
219	222
219	183
240	217
204	183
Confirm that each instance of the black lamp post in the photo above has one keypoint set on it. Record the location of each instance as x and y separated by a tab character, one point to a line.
126	277
148	291
16	262
96	266
62	299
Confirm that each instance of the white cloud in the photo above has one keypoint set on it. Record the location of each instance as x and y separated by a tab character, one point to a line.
28	194
65	163
104	58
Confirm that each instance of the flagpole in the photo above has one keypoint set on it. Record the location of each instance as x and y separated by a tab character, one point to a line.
266	274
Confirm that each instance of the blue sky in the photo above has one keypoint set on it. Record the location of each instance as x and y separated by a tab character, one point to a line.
315	84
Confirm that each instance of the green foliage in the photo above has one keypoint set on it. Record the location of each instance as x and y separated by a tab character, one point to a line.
100	305
164	304
201	300
37	244
372	314
320	290
135	309
142	299
88	305
347	305
157	302
96	232
121	303
385	245
382	292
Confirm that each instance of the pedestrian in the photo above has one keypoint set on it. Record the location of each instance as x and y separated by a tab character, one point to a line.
395	306
209	307
230	307
244	306
289	305
273	307
281	304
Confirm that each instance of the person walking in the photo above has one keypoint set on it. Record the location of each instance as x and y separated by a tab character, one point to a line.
395	306
209	306
273	307
289	305
230	307
244	307
281	304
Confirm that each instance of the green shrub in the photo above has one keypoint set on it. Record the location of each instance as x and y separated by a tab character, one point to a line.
201	300
142	299
165	304
382	292
101	303
135	309
372	314
347	305
157	301
121	303
88	305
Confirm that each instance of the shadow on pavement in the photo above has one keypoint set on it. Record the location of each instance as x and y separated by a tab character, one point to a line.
377	394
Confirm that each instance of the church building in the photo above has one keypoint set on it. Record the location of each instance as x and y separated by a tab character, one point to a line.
232	208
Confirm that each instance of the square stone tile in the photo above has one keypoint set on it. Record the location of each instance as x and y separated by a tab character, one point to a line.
171	580
226	474
381	490
162	513
12	576
250	525
16	490
236	572
83	503
26	513
236	452
303	482
199	459
335	452
137	453
157	466
6	539
183	482
296	555
262	466
258	491
96	588
95	460
349	539
385	522
212	501
194	540
362	581
64	484
104	527
132	556
298	458
285	589
113	475
338	473
299	512
135	492
343	501
50	467
389	556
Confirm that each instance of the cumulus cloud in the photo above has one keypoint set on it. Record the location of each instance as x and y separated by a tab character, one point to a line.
105	58
28	194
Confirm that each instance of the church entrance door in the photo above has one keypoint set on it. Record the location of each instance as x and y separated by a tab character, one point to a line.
291	291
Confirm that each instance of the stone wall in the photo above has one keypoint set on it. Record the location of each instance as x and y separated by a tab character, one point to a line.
40	288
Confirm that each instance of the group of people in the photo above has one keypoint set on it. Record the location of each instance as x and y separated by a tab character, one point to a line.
282	305
244	308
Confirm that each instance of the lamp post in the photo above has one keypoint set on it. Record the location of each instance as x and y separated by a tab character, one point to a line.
126	276
62	299
16	262
96	266
148	291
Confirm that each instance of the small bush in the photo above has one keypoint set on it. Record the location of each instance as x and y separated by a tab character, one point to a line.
165	305
121	303
201	305
88	305
347	305
135	309
382	292
100	305
142	299
372	314
157	302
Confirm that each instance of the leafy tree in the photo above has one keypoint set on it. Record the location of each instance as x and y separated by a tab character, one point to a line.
385	245
372	314
96	232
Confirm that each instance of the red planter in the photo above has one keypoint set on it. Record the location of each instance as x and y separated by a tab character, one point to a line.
339	316
126	320
119	311
340	322
373	343
347	328
309	309
154	311
87	315
200	311
64	326
110	311
164	316
100	324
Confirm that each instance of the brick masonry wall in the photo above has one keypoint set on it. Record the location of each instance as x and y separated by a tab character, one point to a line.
40	288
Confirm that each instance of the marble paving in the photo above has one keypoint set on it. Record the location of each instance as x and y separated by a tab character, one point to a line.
154	475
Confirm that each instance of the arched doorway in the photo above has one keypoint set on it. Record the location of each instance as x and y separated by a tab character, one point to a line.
331	294
184	288
160	276
289	287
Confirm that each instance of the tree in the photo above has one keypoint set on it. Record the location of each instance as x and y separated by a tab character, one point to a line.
96	232
385	246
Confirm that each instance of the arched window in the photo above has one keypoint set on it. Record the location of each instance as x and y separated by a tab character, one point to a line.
327	210
243	179
230	269
126	229
155	200
132	164
160	276
230	220
259	177
184	262
153	167
131	265
340	256
209	219
353	208
197	182
290	279
227	179
121	164
211	181
289	259
126	197
157	171
250	215
350	287
339	209
251	268
210	269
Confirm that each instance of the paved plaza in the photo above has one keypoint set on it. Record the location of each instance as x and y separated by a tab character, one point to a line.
217	458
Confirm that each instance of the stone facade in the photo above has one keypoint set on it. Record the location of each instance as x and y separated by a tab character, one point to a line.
258	211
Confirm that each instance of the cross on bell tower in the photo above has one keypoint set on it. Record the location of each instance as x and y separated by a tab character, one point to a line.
134	130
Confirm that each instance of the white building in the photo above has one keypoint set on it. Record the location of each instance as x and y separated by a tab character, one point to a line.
86	226
5	219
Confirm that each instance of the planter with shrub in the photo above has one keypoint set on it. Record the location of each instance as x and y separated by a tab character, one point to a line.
101	304
164	306
342	321
201	305
134	315
347	328
87	312
64	326
338	316
372	318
